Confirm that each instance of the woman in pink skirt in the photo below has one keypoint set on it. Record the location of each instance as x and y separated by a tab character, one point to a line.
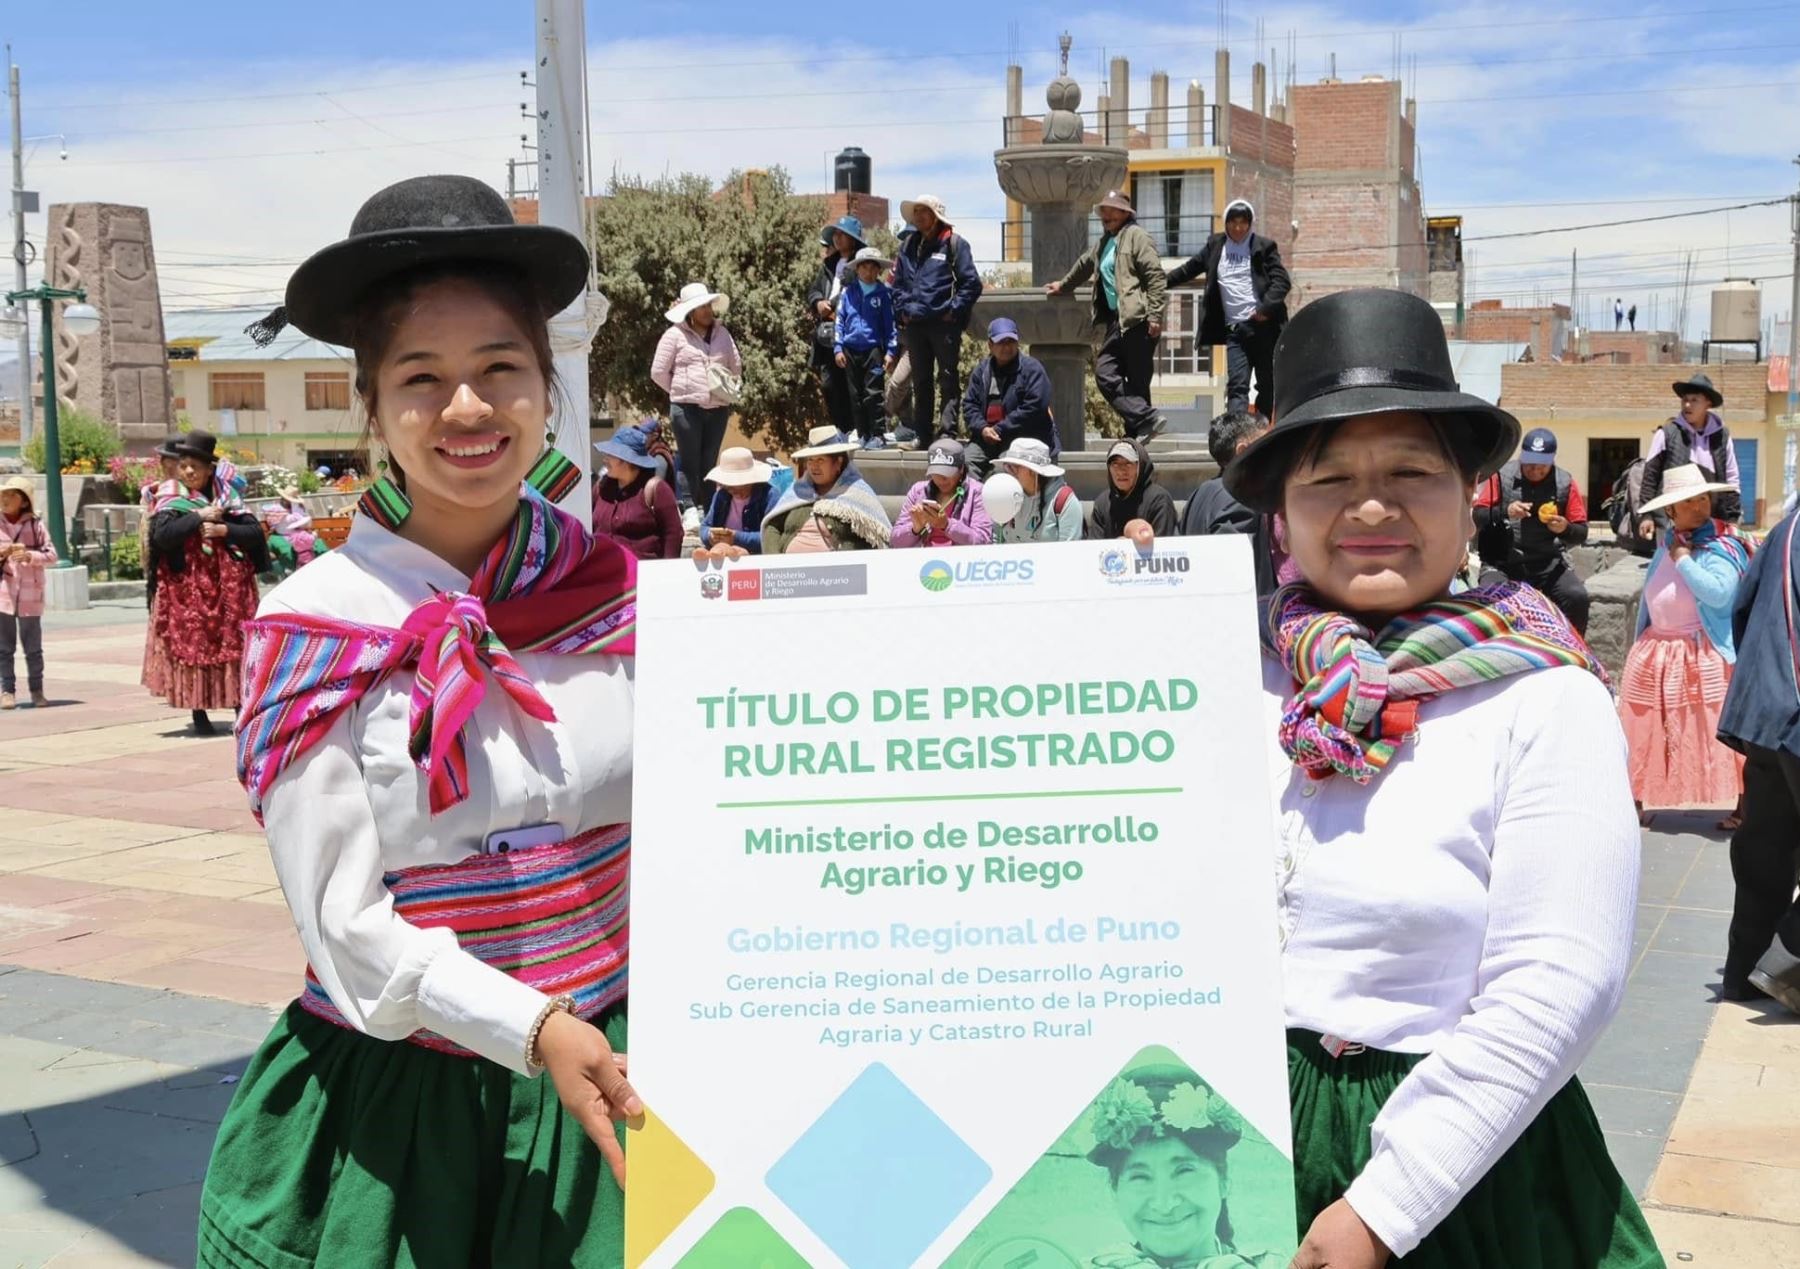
1677	672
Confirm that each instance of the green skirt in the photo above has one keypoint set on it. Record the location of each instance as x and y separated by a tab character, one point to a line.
1553	1201
348	1151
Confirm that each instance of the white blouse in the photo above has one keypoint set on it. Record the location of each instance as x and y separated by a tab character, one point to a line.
355	806
1473	903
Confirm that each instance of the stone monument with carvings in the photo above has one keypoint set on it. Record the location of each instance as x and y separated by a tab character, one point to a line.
120	374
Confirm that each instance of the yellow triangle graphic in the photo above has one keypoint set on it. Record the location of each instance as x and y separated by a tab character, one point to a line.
665	1181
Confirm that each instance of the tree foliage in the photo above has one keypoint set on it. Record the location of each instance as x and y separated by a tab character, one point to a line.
752	238
86	444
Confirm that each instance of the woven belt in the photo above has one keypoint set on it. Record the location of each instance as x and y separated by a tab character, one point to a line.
554	917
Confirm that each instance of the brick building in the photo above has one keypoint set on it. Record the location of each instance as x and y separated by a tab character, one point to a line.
1356	189
1543	330
1603	416
1630	348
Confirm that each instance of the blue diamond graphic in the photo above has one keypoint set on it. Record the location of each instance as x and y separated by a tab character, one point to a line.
880	1175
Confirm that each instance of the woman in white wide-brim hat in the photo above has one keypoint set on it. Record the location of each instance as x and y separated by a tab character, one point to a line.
741	500
1673	688
698	365
831	507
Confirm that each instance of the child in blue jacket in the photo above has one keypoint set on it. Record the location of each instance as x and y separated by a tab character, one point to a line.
868	340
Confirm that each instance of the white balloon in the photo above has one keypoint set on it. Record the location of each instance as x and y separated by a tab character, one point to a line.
1002	496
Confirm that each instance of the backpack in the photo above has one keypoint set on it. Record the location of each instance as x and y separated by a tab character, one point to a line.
1621	507
1062	499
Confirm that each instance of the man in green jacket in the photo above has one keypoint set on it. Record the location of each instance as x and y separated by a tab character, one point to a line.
1129	291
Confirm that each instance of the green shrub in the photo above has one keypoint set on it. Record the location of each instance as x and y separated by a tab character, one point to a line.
309	482
127	559
87	444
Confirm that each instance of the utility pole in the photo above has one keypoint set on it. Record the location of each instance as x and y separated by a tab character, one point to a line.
1574	288
1791	442
19	280
562	202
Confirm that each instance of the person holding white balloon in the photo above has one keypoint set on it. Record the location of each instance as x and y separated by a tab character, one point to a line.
1028	500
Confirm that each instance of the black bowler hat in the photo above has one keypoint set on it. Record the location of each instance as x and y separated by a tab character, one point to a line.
421	221
1357	353
196	444
1704	385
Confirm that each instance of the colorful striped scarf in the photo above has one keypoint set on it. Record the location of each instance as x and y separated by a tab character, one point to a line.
547	586
172	495
1360	693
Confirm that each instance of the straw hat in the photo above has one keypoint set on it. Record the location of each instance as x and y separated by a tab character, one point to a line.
932	201
693	295
824	440
1115	200
20	485
737	467
1031	454
1684	482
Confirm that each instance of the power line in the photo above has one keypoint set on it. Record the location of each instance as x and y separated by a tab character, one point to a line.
1601	202
289	154
1483	63
1558	229
287	123
311	92
1612	92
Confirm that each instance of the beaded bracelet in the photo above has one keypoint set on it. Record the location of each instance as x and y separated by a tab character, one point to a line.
557	1004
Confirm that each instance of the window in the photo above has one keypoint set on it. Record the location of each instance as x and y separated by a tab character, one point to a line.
228	391
327	390
1180	351
1175	208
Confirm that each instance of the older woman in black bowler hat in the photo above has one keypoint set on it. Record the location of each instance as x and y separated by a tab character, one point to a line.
1447	959
437	736
205	554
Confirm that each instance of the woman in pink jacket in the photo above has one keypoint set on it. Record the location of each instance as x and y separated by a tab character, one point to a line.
25	551
684	367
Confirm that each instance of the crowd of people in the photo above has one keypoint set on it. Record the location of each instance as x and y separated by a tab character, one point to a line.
461	666
888	332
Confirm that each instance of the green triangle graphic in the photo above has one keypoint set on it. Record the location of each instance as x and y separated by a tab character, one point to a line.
742	1239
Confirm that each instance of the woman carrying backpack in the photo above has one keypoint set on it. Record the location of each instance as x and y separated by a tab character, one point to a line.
633	505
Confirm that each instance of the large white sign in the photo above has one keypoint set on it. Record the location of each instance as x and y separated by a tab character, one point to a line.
953	921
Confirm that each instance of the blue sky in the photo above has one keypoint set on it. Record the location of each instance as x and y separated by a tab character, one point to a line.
252	131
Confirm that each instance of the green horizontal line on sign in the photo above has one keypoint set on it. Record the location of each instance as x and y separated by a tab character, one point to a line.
946	797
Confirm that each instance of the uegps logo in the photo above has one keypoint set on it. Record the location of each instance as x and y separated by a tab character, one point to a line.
940	575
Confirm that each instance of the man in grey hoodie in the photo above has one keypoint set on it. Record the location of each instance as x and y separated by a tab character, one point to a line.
1245	303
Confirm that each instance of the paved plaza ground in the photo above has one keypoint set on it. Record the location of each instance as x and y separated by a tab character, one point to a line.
144	947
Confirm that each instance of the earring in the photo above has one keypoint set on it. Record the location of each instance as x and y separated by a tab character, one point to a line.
385	502
554	474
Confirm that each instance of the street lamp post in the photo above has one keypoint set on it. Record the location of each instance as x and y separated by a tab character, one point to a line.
79	318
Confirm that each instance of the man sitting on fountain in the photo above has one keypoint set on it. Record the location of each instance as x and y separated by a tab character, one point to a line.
1129	291
1008	398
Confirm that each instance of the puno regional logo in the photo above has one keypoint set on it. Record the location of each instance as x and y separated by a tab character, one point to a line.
1124	566
936	576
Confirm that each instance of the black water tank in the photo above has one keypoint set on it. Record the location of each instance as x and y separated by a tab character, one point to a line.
854	171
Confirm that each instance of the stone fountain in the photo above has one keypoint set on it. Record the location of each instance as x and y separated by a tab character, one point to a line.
1058	180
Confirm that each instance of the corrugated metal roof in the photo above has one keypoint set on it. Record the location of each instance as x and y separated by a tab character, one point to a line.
218	335
1478	366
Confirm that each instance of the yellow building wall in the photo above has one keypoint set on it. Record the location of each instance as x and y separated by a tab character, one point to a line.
283	432
1575	430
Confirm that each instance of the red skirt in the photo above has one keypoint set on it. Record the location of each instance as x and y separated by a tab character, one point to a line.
193	656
